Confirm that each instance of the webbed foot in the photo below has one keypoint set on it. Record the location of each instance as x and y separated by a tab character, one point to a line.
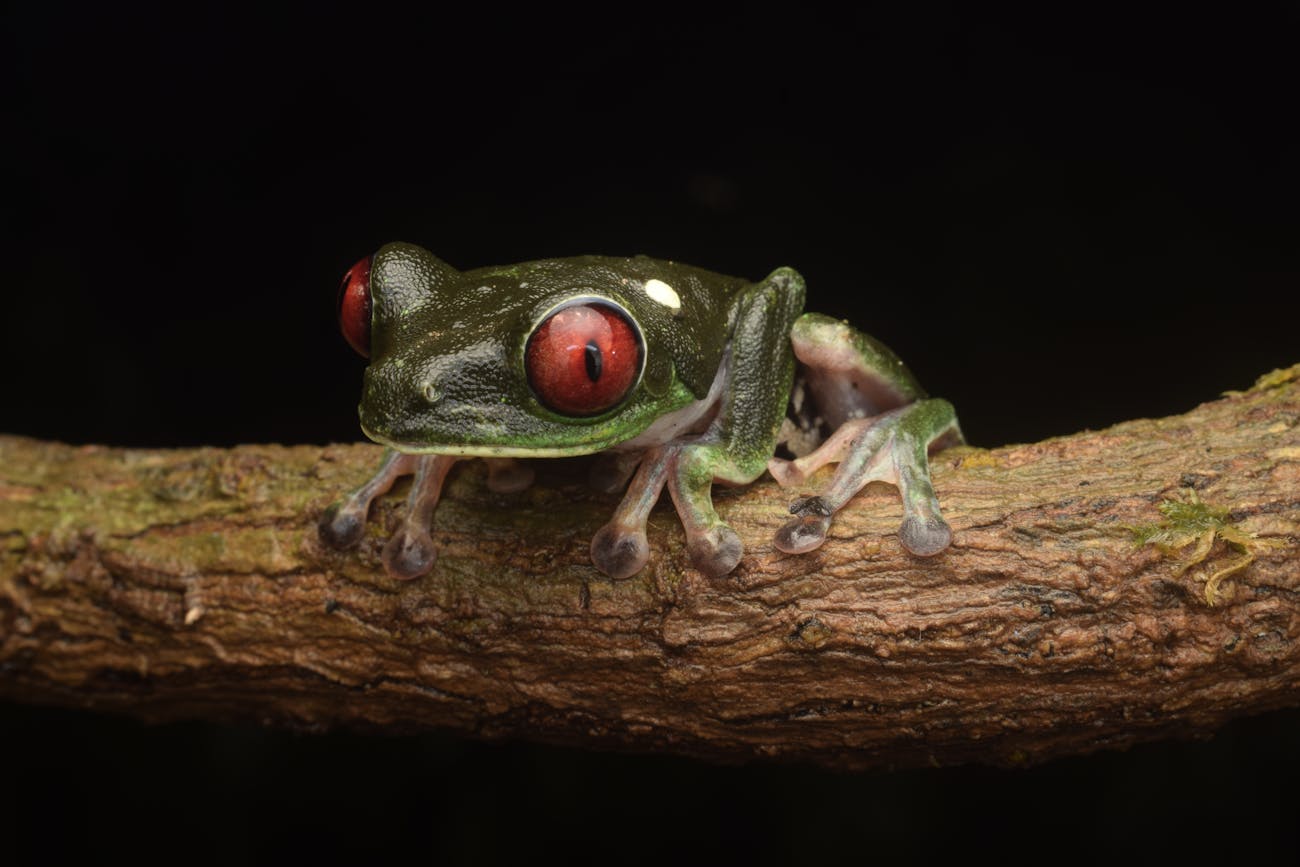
893	448
787	473
807	531
619	549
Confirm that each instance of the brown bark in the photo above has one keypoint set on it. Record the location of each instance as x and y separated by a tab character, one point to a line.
190	583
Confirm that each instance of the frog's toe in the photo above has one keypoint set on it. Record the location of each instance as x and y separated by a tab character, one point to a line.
342	527
801	535
715	551
409	554
619	552
925	536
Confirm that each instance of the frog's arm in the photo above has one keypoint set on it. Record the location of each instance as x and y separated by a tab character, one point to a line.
758	370
884	426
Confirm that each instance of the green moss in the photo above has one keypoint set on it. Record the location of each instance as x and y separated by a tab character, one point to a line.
1272	379
1193	521
1181	520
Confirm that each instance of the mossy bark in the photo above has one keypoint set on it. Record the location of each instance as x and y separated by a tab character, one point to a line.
190	583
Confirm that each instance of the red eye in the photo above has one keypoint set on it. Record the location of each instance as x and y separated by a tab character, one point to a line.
354	307
583	359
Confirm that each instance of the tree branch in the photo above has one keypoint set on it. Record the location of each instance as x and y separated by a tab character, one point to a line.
190	583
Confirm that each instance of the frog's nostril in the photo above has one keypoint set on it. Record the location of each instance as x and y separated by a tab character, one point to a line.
431	393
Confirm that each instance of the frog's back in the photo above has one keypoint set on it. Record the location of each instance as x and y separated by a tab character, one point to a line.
682	309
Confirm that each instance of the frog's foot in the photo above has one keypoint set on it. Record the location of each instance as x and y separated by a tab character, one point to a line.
410	552
925	537
344	522
892	448
619	549
807	530
508	475
715	551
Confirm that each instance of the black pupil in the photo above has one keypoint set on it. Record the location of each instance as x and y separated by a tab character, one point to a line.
594	362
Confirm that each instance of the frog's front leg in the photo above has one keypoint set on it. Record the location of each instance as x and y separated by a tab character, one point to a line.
410	552
757	370
344	522
885	426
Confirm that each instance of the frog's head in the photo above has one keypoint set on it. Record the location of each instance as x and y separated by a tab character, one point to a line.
546	359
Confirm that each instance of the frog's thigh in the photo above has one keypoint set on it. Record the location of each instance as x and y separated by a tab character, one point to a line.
849	374
736	448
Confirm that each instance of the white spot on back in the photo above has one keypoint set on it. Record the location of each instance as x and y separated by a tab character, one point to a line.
664	294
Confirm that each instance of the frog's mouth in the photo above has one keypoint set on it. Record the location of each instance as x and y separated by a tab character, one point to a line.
484	450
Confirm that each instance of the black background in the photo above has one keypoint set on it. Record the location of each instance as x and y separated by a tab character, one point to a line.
1058	222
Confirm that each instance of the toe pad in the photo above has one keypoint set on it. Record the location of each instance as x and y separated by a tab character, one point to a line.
925	537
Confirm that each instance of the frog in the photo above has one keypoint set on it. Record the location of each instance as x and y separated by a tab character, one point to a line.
672	376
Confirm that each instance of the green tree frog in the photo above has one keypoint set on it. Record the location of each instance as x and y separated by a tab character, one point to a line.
676	376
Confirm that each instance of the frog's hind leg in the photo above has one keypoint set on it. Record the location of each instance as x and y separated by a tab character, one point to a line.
884	427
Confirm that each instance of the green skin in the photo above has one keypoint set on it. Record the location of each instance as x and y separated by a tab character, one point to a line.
447	382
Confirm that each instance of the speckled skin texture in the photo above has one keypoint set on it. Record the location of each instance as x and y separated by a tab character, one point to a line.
465	334
448	380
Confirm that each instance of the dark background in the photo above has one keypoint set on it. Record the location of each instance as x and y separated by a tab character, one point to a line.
1059	223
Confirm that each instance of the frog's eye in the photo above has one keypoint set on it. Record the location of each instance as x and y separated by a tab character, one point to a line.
354	307
584	358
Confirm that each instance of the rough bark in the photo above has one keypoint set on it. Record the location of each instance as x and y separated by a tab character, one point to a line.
190	583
